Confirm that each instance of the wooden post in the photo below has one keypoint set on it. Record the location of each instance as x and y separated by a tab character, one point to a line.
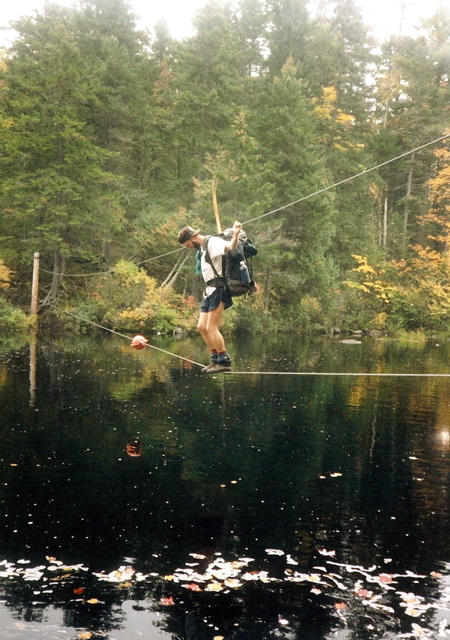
33	368
216	208
35	286
33	343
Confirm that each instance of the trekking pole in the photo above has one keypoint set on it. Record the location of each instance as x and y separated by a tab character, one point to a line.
216	208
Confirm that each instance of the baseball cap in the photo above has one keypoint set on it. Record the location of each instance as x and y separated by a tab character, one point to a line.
186	234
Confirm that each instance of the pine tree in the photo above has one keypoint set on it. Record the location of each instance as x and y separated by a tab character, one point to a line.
301	233
287	33
58	196
412	106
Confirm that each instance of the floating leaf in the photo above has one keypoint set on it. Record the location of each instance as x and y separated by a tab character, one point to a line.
233	583
410	598
93	601
324	552
84	635
421	632
274	552
193	586
167	601
214	586
414	612
340	605
79	591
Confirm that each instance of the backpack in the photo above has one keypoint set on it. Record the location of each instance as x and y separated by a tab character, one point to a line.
236	265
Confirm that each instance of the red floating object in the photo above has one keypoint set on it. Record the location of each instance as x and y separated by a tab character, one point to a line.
139	342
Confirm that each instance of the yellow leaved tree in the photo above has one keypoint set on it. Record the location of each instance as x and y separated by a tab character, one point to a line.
5	276
373	290
424	279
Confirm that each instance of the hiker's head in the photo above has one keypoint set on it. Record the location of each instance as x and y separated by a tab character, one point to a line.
188	237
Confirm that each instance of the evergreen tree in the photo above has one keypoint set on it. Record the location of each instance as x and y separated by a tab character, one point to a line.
346	155
250	22
287	33
412	107
209	85
114	54
242	176
339	54
301	233
57	197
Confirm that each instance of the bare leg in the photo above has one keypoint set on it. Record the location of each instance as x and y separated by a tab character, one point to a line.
208	325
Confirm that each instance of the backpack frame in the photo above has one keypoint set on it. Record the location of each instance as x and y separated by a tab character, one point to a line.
237	268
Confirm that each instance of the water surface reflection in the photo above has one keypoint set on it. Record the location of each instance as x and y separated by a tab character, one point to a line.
141	497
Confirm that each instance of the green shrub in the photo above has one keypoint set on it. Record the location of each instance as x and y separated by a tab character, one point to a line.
12	320
129	300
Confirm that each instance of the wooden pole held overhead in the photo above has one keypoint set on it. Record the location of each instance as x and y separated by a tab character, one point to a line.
216	208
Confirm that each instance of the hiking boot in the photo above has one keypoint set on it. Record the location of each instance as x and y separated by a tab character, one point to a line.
219	367
212	361
209	366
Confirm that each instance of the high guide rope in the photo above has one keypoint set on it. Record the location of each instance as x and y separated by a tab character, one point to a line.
268	213
279	373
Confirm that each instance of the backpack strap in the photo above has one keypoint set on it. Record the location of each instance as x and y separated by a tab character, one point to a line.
217	281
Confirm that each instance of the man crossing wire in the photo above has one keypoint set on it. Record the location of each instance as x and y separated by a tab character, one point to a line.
216	299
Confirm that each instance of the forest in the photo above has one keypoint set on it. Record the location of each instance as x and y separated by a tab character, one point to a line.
332	149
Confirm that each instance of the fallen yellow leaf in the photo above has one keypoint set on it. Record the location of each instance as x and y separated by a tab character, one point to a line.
214	586
233	583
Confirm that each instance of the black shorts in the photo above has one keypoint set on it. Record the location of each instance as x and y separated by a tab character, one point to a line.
212	302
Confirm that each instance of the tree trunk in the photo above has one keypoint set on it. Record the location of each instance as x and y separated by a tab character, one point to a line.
407	202
384	224
267	290
53	292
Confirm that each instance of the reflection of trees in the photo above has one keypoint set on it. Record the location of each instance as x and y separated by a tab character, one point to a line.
232	464
337	599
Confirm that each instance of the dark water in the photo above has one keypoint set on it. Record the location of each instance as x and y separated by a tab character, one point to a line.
142	499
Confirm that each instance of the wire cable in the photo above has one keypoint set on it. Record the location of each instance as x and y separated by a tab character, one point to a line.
342	373
122	335
264	373
357	175
268	213
103	273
